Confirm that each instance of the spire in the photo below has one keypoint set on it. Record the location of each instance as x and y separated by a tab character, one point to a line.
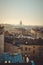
20	23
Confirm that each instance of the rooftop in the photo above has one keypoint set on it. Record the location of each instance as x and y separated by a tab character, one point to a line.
25	41
38	30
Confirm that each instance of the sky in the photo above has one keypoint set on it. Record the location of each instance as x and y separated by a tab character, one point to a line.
30	12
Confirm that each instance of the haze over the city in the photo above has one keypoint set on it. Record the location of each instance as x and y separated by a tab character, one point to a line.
29	11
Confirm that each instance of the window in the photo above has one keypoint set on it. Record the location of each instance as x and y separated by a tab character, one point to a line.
25	48
29	49
21	49
28	54
33	51
33	46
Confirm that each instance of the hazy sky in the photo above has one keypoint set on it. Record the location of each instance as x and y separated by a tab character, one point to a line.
29	11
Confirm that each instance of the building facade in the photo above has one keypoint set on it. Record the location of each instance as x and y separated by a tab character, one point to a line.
31	51
10	48
1	39
37	33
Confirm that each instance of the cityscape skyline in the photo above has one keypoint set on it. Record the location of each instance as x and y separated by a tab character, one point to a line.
30	12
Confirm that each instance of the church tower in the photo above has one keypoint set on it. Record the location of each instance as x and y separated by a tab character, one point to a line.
20	23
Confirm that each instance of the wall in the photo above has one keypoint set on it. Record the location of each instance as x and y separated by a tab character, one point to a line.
10	48
1	43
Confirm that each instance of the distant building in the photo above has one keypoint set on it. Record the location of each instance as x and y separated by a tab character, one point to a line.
37	33
20	23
